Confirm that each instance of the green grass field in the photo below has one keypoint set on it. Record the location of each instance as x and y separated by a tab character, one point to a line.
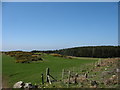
31	72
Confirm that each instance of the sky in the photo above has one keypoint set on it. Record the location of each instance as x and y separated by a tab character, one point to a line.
57	25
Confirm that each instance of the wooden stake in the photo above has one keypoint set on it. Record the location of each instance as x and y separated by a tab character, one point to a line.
68	79
62	74
42	76
52	77
47	74
49	79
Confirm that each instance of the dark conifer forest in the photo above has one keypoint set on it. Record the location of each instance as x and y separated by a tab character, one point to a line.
88	51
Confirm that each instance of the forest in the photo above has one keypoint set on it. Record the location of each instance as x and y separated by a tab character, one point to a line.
88	51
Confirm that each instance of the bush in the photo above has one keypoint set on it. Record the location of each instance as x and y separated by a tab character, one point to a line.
22	61
58	55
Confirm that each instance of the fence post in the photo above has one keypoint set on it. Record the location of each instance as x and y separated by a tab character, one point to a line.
68	79
48	75
62	74
49	79
42	76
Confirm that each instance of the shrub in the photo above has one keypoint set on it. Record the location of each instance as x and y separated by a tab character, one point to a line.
58	55
22	61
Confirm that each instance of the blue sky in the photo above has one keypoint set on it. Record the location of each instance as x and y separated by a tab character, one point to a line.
50	25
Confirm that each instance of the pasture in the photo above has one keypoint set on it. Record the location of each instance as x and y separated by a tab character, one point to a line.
31	72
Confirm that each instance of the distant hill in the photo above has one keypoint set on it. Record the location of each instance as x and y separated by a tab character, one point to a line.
88	51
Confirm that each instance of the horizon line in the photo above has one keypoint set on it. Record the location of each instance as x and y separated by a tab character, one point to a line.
55	49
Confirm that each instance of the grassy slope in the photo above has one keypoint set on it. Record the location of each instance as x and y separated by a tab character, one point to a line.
32	72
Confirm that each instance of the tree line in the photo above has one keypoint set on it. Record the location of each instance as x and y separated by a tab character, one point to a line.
88	51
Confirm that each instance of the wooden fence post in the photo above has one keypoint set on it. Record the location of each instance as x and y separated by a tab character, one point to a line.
62	74
49	79
42	76
47	71
48	75
68	79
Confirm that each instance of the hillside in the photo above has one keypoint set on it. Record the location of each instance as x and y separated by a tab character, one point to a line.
65	71
31	72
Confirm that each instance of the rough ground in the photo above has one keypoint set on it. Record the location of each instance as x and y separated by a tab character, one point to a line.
102	74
